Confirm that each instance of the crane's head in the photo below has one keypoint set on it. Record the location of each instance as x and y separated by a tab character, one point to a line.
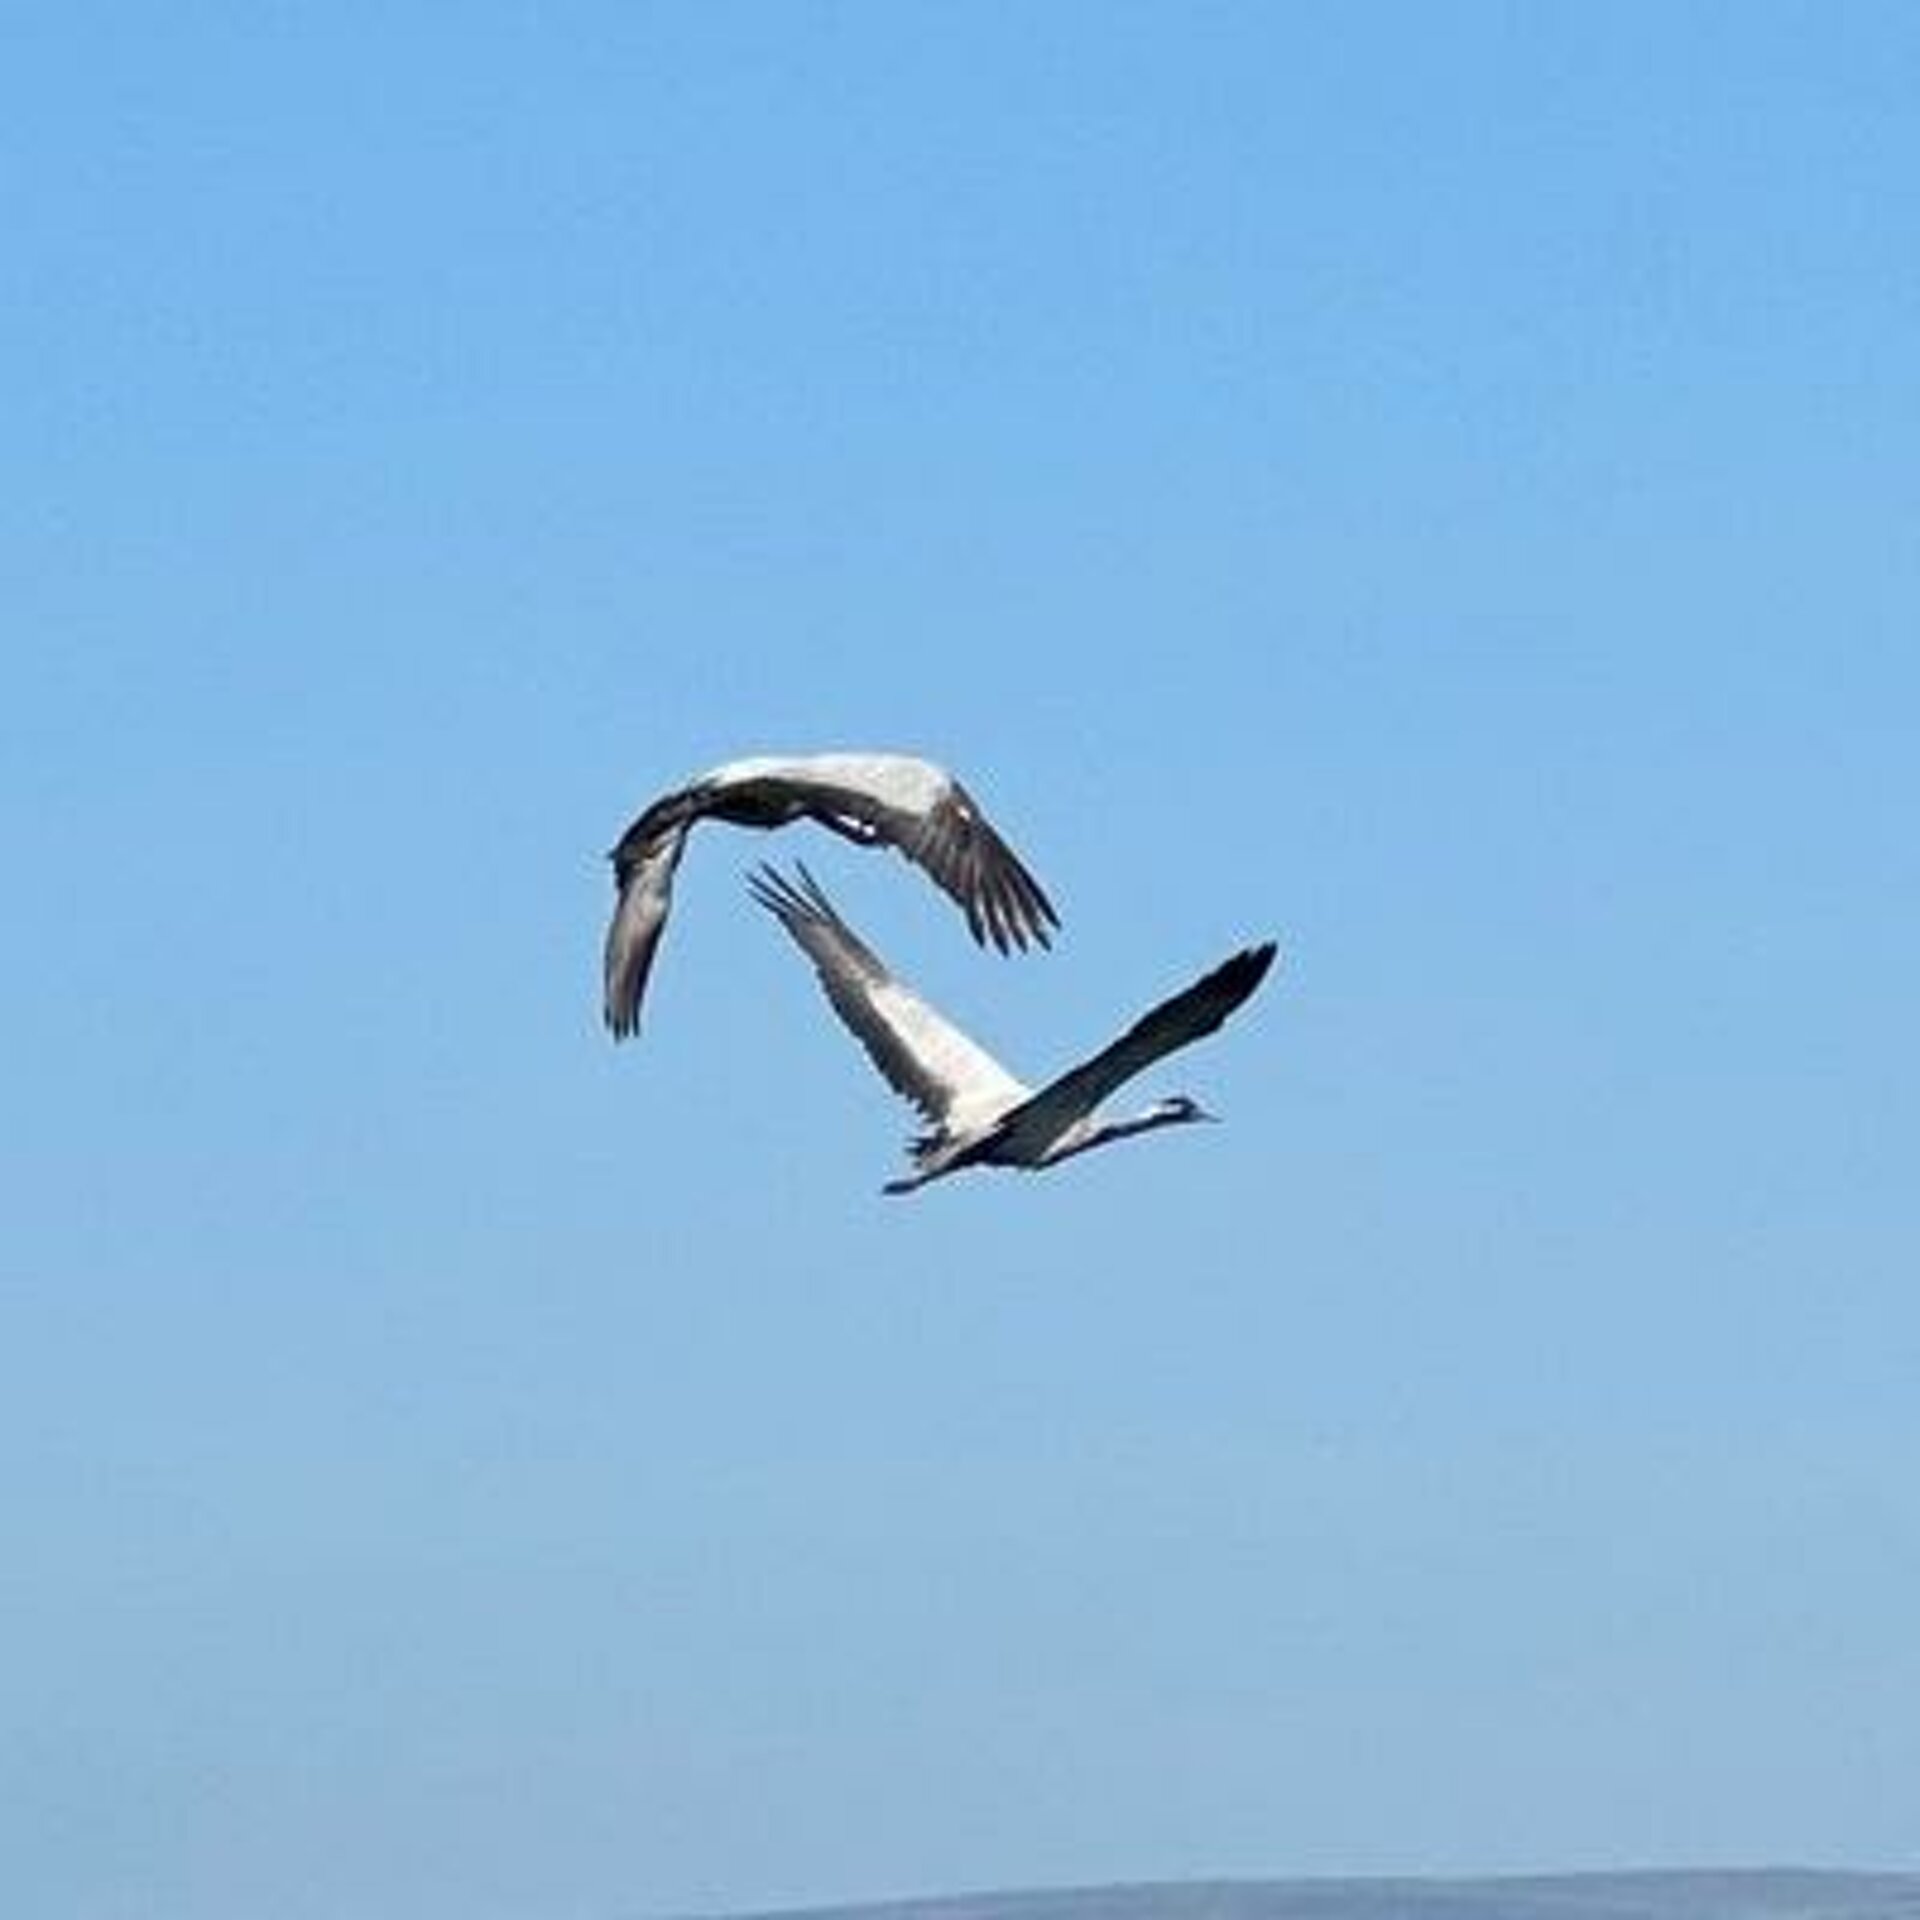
1178	1108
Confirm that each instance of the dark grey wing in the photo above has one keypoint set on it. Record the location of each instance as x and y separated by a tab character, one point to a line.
643	865
950	839
958	847
1176	1022
920	1054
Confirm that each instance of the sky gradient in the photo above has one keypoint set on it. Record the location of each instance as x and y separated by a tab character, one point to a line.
1435	487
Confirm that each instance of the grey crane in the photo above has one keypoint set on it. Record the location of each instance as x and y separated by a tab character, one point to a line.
894	799
978	1114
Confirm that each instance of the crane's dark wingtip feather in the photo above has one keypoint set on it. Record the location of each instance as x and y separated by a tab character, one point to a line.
773	890
1037	907
792	900
1248	967
813	887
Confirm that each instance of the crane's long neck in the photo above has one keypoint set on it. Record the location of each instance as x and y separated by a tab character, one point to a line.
1102	1133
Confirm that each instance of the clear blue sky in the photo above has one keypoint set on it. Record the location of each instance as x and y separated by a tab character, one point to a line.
1436	486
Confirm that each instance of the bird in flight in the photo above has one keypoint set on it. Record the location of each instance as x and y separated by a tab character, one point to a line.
978	1114
911	805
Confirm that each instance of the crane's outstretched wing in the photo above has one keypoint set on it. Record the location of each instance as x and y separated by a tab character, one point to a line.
1176	1022
908	803
922	1055
643	866
918	808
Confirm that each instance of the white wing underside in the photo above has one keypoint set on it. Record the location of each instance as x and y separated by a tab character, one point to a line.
963	1085
956	1084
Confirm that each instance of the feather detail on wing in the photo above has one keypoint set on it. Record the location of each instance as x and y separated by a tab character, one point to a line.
1004	903
644	864
937	824
922	1055
954	843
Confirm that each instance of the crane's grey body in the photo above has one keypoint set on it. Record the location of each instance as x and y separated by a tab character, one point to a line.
978	1114
867	798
